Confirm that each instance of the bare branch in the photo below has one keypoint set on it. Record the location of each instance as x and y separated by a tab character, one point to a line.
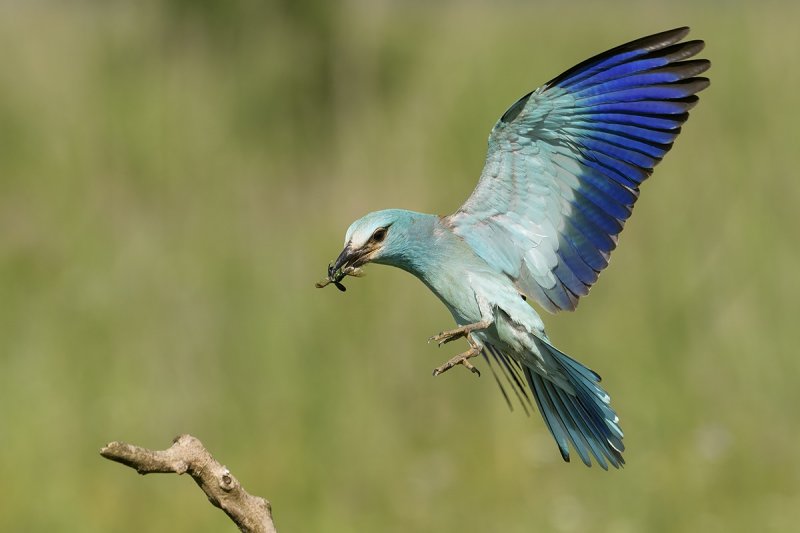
188	455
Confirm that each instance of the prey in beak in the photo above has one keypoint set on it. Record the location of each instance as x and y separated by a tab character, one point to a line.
347	264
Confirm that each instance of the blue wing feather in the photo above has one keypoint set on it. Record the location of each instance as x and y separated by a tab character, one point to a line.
614	169
621	139
666	123
599	209
625	53
573	262
596	258
574	153
569	279
625	78
627	152
590	228
640	92
614	198
641	107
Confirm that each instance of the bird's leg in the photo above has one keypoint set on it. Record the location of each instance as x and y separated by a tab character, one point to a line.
461	359
452	334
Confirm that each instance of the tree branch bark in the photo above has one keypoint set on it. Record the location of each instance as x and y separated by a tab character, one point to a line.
187	454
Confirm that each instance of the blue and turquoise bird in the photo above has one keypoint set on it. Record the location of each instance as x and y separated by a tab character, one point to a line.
562	174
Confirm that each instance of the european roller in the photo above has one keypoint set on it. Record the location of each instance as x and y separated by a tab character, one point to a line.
562	173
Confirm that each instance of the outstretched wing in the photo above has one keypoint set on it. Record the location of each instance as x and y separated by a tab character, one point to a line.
565	163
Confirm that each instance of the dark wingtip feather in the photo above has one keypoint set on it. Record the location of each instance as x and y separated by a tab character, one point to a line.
651	42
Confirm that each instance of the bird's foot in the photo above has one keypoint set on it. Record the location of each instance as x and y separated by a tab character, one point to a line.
446	336
460	359
452	334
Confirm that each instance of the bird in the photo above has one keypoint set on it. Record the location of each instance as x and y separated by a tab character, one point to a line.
562	173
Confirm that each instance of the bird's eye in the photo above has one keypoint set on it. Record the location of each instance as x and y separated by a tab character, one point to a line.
379	235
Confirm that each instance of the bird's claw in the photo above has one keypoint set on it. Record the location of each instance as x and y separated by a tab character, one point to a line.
446	336
463	331
460	359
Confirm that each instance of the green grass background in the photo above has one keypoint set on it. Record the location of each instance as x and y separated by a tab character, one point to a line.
175	176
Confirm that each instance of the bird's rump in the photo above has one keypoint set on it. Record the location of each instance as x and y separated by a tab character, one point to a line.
565	163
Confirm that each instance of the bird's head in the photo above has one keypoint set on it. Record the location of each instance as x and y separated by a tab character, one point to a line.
379	237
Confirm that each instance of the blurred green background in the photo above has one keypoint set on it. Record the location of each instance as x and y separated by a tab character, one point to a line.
174	176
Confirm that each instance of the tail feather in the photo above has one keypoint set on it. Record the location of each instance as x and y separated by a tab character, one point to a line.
544	401
512	371
582	417
580	420
574	407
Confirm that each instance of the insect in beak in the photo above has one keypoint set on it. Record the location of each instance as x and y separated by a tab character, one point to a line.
336	276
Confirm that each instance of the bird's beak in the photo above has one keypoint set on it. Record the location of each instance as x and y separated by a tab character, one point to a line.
351	257
343	260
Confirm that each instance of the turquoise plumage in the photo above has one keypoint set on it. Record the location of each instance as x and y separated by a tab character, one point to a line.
562	174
